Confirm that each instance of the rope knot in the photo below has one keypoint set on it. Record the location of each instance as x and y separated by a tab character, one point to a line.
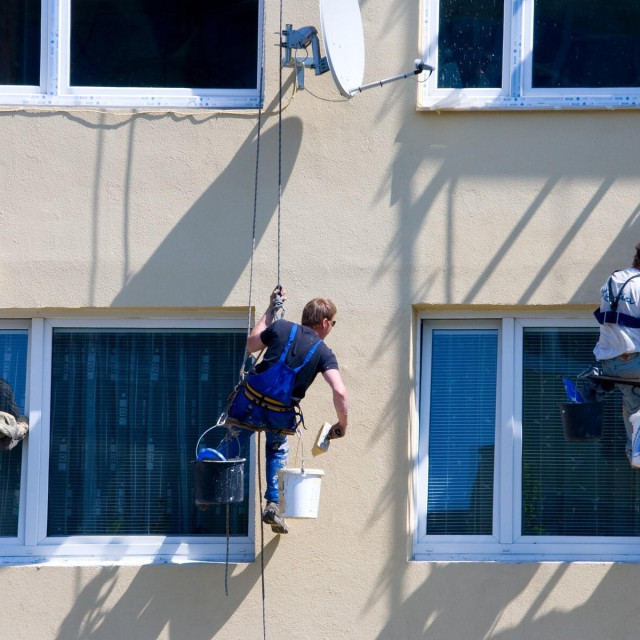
278	307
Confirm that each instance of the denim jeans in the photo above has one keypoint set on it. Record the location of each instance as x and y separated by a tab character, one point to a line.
276	454
626	366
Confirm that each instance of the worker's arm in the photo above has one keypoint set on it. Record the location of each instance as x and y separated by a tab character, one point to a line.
340	402
253	341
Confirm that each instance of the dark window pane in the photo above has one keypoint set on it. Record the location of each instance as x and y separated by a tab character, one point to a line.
164	44
470	44
13	374
586	43
127	408
569	488
462	425
20	42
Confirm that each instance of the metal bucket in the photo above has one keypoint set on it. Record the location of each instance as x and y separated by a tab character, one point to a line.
582	421
218	481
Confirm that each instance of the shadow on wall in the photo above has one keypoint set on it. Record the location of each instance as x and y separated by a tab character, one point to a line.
214	236
516	602
178	602
494	149
497	150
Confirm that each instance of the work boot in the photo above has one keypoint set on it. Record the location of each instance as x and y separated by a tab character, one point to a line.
270	516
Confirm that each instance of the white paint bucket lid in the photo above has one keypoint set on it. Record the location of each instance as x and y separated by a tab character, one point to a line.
302	472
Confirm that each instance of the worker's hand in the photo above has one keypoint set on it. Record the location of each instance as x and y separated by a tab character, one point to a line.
337	431
278	291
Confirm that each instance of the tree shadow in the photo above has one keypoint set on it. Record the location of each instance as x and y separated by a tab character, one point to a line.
446	183
146	607
214	235
517	602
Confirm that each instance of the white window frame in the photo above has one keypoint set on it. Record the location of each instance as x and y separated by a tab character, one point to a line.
506	544
12	543
32	545
516	91
55	88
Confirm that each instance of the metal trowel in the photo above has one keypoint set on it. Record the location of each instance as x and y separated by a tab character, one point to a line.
322	441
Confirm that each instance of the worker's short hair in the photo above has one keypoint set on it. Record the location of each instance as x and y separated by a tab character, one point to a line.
316	310
636	259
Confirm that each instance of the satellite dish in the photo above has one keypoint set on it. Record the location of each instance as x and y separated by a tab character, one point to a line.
343	39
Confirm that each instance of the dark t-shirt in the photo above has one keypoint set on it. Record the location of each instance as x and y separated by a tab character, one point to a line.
275	337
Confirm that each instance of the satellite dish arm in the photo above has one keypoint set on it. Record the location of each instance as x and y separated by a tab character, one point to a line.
419	67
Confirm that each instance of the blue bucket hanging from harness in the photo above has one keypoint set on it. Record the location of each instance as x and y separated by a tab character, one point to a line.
263	400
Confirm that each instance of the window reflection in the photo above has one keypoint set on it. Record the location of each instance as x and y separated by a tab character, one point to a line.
586	43
470	44
20	42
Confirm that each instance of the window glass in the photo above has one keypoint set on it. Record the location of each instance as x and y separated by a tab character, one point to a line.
164	44
127	408
20	42
586	43
569	488
13	374
462	432
470	44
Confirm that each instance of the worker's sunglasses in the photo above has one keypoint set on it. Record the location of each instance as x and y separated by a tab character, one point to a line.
332	323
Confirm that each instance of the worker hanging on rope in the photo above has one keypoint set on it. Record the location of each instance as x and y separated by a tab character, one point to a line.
268	397
618	348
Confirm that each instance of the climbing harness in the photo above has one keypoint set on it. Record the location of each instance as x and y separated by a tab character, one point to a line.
263	402
613	316
602	383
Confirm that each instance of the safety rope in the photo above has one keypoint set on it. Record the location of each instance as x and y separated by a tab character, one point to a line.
247	354
253	246
280	147
264	599
278	311
255	207
226	564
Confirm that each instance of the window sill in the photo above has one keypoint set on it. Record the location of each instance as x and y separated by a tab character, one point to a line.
128	101
466	101
621	550
123	554
137	561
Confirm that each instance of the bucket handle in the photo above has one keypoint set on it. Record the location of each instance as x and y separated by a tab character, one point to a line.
220	423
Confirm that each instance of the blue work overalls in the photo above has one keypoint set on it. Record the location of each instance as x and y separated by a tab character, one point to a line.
263	402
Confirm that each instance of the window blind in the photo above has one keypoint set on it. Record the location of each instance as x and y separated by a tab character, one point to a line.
127	408
579	489
462	432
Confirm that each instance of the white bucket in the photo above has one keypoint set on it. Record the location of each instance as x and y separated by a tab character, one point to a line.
299	492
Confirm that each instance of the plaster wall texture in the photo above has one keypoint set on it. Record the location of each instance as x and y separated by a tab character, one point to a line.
385	210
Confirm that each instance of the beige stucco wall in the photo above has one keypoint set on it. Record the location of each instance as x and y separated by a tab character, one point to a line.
384	209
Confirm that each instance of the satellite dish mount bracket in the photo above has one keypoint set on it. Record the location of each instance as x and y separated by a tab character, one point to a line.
296	39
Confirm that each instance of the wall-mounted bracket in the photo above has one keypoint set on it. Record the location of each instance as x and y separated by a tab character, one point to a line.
296	39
